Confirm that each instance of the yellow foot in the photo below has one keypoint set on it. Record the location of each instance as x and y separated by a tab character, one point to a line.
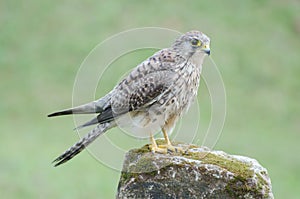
165	148
156	149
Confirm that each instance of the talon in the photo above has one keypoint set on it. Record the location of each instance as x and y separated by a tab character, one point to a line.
156	149
164	148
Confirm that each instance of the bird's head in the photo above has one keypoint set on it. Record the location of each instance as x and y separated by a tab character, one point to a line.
191	42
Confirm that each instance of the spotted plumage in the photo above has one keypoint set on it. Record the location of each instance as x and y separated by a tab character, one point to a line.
152	97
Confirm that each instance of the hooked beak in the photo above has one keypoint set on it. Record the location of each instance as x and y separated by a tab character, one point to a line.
206	49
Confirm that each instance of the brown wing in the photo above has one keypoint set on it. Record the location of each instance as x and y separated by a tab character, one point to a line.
142	87
138	95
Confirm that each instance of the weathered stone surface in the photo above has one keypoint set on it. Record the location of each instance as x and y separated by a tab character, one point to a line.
197	173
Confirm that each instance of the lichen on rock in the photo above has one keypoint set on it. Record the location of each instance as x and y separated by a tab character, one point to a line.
196	173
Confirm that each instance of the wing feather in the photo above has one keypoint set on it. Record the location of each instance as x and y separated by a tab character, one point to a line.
144	85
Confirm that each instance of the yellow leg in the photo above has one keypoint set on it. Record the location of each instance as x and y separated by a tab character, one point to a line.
164	148
168	144
166	137
153	142
154	148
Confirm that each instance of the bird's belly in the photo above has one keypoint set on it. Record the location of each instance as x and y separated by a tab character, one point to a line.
142	123
151	120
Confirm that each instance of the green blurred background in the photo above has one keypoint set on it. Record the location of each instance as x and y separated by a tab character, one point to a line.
255	43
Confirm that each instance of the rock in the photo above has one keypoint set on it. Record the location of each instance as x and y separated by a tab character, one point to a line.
196	173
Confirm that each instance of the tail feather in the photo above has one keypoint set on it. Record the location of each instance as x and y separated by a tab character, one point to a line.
105	116
89	123
82	144
92	107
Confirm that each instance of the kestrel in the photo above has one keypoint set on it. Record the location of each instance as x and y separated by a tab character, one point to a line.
151	98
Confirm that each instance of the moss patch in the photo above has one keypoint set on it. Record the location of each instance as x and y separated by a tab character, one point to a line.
235	166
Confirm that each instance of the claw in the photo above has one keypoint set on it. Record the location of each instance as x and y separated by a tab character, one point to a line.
156	149
167	147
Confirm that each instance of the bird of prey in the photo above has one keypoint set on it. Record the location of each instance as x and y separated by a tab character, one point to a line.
152	97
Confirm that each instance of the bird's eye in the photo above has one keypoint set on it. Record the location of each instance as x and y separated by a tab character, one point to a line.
196	42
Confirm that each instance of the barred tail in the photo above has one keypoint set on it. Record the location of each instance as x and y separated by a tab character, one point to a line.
84	142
